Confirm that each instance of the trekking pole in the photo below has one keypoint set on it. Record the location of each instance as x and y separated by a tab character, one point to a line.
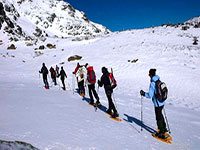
167	121
141	113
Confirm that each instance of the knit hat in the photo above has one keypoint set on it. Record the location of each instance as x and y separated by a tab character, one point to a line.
104	70
152	72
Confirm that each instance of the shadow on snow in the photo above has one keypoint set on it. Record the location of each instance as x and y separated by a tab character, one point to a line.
131	119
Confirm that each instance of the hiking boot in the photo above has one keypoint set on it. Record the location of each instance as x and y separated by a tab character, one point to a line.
108	111
165	130
115	115
91	103
160	135
98	104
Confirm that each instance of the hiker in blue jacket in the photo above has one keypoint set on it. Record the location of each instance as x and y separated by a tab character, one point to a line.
157	104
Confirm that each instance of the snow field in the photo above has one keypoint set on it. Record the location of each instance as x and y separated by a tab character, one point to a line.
55	119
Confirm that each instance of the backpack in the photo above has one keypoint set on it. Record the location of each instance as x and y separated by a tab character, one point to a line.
91	77
113	82
161	90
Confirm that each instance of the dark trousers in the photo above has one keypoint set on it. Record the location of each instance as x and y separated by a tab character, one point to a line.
111	105
63	82
81	88
160	119
92	90
54	80
45	81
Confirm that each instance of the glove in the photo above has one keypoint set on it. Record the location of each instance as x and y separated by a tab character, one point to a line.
142	93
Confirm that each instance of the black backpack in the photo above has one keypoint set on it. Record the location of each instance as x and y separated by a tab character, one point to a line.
161	90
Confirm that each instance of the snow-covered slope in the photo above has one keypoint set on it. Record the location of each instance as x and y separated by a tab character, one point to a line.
30	19
60	120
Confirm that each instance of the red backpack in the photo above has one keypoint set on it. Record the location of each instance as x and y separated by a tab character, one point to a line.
113	82
91	77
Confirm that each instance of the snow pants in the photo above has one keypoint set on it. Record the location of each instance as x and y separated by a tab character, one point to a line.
54	80
160	119
111	105
81	88
63	82
91	88
45	80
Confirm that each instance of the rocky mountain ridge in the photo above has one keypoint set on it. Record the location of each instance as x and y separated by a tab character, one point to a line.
33	19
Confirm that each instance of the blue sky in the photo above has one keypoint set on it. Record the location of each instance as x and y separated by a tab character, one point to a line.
137	14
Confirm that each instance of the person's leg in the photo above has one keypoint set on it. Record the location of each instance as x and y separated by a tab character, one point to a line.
160	120
45	81
63	82
82	89
90	94
110	102
94	92
55	80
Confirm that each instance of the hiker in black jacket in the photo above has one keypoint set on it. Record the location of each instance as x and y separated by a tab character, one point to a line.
44	72
62	77
108	90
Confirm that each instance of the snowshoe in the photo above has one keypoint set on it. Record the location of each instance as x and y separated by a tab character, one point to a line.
162	138
82	94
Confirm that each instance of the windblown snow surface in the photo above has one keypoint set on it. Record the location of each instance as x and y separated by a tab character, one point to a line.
60	120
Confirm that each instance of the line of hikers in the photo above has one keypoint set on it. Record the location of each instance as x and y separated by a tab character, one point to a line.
54	74
106	80
85	75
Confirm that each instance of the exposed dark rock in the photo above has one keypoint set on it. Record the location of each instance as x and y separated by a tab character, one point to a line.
133	61
2	14
195	41
84	16
197	25
71	8
29	44
38	32
51	18
75	57
12	46
50	46
41	47
185	27
8	145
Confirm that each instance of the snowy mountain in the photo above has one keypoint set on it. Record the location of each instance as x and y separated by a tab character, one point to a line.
195	22
61	120
33	19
